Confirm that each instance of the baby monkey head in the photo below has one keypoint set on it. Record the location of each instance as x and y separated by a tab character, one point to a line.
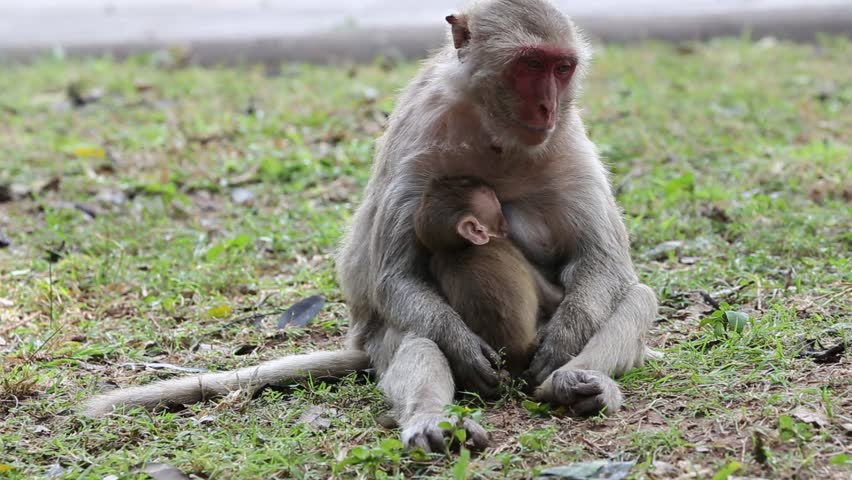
456	212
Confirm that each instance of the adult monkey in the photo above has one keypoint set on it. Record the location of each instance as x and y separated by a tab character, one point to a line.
497	103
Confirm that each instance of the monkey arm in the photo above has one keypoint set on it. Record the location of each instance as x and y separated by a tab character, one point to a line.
409	303
597	281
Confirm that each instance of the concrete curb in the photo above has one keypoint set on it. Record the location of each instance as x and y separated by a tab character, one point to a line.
359	45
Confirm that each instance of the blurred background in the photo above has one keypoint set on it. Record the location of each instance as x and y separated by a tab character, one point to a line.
330	30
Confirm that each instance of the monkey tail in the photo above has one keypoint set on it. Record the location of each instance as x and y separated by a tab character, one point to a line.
192	389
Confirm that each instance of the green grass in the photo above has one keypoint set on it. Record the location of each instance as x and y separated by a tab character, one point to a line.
740	150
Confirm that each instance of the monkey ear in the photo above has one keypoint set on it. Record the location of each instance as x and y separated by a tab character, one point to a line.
461	32
473	231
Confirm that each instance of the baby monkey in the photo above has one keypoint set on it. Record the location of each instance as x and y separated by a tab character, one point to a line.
484	277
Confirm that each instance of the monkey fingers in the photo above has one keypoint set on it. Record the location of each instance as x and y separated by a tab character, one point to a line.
490	354
555	349
585	392
474	371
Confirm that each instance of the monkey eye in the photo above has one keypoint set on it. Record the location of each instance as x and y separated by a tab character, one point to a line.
534	63
564	69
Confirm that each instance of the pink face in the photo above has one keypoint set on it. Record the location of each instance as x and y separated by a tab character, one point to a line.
538	76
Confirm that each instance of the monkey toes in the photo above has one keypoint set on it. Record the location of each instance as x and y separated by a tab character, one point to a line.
584	392
425	431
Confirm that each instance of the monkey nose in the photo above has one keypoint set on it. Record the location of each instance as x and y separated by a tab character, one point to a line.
546	112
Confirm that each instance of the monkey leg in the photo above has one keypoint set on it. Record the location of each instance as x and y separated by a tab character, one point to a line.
419	384
584	384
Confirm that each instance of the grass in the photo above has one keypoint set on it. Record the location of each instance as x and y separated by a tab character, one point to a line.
147	223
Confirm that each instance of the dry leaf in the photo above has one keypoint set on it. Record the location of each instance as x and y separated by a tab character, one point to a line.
802	414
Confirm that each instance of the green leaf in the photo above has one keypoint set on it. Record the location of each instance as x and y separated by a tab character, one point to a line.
391	445
535	408
215	252
727	470
446	425
460	468
841	459
359	453
736	320
461	434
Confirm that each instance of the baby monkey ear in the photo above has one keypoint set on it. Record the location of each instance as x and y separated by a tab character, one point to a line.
473	231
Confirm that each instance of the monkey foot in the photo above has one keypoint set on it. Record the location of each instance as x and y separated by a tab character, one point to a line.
425	431
584	392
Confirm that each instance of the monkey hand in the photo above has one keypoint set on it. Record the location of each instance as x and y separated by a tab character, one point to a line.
474	365
584	392
556	347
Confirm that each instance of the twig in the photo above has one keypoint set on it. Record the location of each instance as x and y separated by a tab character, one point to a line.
710	300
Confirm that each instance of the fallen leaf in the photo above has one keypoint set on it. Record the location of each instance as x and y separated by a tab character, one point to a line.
301	313
111	197
5	468
40	429
808	416
55	471
220	311
161	471
162	366
245	349
815	351
316	417
88	151
242	196
204	420
87	210
595	470
664	470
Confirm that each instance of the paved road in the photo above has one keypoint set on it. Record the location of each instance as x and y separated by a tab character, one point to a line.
329	29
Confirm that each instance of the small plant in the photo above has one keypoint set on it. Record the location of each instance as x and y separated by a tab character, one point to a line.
375	459
728	470
537	440
459	414
20	382
790	429
537	409
725	321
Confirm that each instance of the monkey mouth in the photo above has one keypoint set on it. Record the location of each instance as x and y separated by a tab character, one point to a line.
537	128
532	134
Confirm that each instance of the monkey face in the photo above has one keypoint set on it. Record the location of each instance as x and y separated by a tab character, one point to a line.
537	79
